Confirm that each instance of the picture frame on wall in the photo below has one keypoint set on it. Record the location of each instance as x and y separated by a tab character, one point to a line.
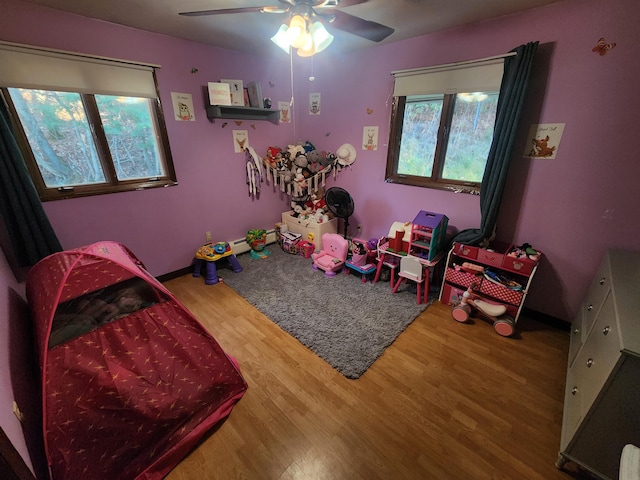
219	93
237	91
255	94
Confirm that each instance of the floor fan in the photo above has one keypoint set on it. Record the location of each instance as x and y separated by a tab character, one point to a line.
340	203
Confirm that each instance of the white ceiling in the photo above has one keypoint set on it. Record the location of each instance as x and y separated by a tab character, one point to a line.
250	32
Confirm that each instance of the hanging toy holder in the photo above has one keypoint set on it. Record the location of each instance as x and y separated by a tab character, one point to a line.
493	312
254	171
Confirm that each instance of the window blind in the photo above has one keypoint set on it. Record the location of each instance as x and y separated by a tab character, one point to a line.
25	66
483	75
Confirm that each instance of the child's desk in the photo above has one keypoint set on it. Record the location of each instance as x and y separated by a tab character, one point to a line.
364	270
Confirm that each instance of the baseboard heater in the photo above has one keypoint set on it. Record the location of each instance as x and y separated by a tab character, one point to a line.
241	246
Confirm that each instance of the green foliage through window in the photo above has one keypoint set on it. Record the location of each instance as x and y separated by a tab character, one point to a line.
81	144
441	141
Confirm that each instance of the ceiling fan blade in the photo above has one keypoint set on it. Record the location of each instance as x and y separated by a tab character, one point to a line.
222	11
350	3
225	11
373	31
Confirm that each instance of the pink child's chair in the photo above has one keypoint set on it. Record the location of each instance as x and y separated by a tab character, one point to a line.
332	256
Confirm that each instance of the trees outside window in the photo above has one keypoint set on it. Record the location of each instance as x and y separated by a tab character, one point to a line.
78	144
441	141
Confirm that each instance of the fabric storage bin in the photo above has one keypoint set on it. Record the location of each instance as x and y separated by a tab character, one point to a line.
451	295
489	257
305	248
467	251
522	266
499	292
461	278
290	242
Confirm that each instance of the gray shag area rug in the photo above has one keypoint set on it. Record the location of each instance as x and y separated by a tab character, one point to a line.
347	323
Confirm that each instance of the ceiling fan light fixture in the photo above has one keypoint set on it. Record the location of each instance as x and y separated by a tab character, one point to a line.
321	37
297	31
309	48
281	38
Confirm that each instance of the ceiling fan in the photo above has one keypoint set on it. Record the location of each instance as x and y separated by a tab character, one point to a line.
360	27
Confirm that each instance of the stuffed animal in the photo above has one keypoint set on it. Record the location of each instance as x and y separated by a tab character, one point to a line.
327	159
301	161
314	161
320	216
273	157
300	179
317	199
295	150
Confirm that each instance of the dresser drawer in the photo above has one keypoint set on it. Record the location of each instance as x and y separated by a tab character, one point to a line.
599	354
573	406
577	336
597	292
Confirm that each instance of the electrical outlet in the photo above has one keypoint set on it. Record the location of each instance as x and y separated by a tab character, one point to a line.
207	236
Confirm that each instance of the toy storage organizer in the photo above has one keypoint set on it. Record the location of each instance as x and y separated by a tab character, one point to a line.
305	227
457	280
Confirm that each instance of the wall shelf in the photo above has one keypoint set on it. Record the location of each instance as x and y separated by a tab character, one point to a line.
242	113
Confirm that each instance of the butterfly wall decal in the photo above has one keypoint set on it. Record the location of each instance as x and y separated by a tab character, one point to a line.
602	47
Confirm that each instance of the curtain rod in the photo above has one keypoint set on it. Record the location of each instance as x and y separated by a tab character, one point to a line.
44	50
451	66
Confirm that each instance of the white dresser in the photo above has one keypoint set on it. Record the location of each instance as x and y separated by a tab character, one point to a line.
602	397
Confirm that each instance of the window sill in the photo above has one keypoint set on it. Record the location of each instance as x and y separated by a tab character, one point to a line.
420	182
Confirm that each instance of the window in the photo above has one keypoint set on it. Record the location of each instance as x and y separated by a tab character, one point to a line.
83	138
441	130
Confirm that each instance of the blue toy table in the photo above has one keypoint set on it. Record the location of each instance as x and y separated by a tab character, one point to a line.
364	270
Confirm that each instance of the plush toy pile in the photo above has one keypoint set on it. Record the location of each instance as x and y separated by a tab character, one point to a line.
300	171
298	163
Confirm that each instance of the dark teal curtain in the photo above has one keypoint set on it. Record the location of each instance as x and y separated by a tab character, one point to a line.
32	237
515	79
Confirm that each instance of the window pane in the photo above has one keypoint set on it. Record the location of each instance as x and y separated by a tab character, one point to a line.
419	135
57	130
470	136
131	135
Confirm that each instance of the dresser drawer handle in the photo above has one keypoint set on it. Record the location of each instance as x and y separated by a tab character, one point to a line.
589	362
589	308
574	390
576	331
603	280
606	330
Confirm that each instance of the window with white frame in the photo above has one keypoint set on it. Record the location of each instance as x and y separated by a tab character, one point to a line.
442	124
85	125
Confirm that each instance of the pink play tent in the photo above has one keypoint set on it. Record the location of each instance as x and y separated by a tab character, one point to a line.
131	381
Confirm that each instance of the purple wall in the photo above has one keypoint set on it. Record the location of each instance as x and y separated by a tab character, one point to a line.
165	226
573	207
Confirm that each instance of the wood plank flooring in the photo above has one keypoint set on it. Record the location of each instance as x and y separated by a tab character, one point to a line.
445	401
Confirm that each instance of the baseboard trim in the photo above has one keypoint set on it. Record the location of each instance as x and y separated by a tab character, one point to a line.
547	319
171	275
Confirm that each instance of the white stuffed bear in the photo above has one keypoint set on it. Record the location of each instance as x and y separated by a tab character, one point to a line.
294	151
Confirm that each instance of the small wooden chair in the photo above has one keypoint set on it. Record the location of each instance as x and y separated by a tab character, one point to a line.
412	269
